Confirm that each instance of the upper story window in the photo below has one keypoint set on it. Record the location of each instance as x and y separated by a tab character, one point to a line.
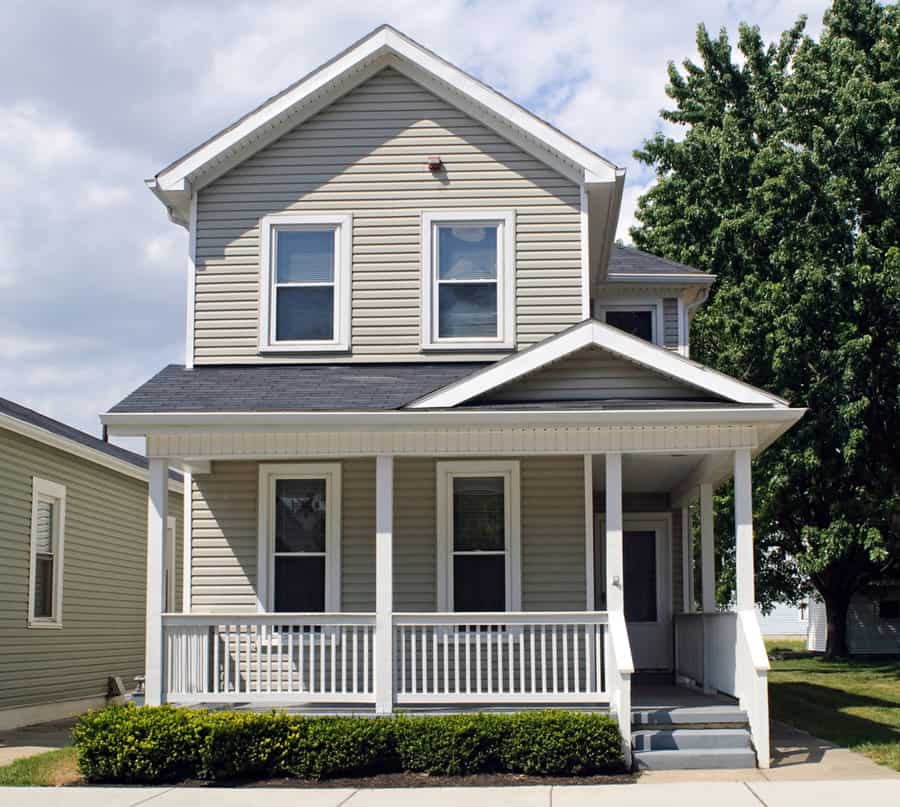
468	282
638	319
305	282
48	521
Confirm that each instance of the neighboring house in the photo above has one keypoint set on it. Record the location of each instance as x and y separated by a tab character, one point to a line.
441	432
73	566
873	622
784	620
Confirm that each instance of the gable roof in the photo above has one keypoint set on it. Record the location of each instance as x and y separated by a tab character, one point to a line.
385	46
587	333
632	264
33	424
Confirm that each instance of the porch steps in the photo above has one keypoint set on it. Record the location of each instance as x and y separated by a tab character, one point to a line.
691	738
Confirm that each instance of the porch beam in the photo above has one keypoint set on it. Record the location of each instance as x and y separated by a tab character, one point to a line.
157	515
743	530
384	584
707	549
615	598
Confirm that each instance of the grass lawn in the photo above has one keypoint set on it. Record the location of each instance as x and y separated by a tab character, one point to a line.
851	703
57	767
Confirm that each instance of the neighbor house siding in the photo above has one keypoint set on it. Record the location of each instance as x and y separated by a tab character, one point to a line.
104	577
590	374
366	155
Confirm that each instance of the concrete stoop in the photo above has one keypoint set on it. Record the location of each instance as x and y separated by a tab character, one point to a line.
692	739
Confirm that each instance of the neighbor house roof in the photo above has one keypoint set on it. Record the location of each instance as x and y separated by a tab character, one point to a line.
630	264
292	387
31	423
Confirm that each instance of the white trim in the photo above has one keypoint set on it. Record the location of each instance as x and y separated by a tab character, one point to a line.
652	304
506	280
187	534
589	584
508	470
512	120
682	328
342	223
190	308
384	584
604	336
43	489
585	255
170	561
268	473
77	449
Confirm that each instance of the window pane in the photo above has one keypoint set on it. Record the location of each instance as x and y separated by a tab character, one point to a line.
467	252
299	584
467	310
304	256
479	583
639	568
637	323
478	514
43	586
300	515
44	527
304	313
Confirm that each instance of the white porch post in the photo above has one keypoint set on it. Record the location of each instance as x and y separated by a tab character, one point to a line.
384	584
743	530
615	598
157	514
707	549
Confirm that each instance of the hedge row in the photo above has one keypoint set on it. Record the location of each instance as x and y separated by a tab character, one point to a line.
127	744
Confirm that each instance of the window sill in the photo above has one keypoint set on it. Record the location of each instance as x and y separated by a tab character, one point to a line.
479	347
321	347
39	625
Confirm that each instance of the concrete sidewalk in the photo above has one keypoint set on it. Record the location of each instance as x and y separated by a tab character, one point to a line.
685	794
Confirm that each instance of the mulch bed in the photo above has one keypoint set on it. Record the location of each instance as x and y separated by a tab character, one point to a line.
386	780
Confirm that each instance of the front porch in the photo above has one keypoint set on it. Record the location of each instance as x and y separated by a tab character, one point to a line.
571	522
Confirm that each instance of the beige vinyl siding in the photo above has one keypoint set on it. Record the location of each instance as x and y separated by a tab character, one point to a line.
553	575
670	323
590	374
365	154
104	577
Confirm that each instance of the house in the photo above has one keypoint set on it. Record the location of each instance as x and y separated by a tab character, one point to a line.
73	543
441	434
873	622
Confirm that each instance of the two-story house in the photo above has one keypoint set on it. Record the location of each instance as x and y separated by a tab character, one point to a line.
441	434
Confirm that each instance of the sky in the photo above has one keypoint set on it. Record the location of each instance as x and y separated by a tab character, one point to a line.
97	96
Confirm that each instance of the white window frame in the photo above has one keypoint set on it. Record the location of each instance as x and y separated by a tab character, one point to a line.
342	223
52	491
446	473
506	280
654	306
269	473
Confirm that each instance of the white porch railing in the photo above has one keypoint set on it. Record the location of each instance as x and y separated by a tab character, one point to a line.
521	657
725	652
274	657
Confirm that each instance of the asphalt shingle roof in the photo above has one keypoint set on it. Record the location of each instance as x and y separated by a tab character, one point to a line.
631	261
34	418
291	387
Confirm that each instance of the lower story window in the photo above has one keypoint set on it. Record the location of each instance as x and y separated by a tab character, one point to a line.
300	514
478	535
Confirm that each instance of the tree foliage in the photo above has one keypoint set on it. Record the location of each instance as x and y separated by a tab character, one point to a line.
786	185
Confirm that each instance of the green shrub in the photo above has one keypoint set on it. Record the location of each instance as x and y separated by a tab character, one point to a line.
126	744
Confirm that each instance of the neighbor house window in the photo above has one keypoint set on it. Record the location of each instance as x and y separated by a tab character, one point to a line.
636	319
478	536
300	537
48	520
468	280
305	282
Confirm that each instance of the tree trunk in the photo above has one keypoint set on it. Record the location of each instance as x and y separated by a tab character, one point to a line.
836	607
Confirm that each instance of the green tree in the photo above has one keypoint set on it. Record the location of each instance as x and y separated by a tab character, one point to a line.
786	184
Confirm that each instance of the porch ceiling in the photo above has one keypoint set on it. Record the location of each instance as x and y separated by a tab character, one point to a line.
649	473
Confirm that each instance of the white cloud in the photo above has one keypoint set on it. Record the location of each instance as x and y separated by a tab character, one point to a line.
100	95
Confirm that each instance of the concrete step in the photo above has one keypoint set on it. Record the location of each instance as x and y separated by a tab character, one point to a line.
690	739
699	759
690	717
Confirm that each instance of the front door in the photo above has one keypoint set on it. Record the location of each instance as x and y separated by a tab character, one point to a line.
646	579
